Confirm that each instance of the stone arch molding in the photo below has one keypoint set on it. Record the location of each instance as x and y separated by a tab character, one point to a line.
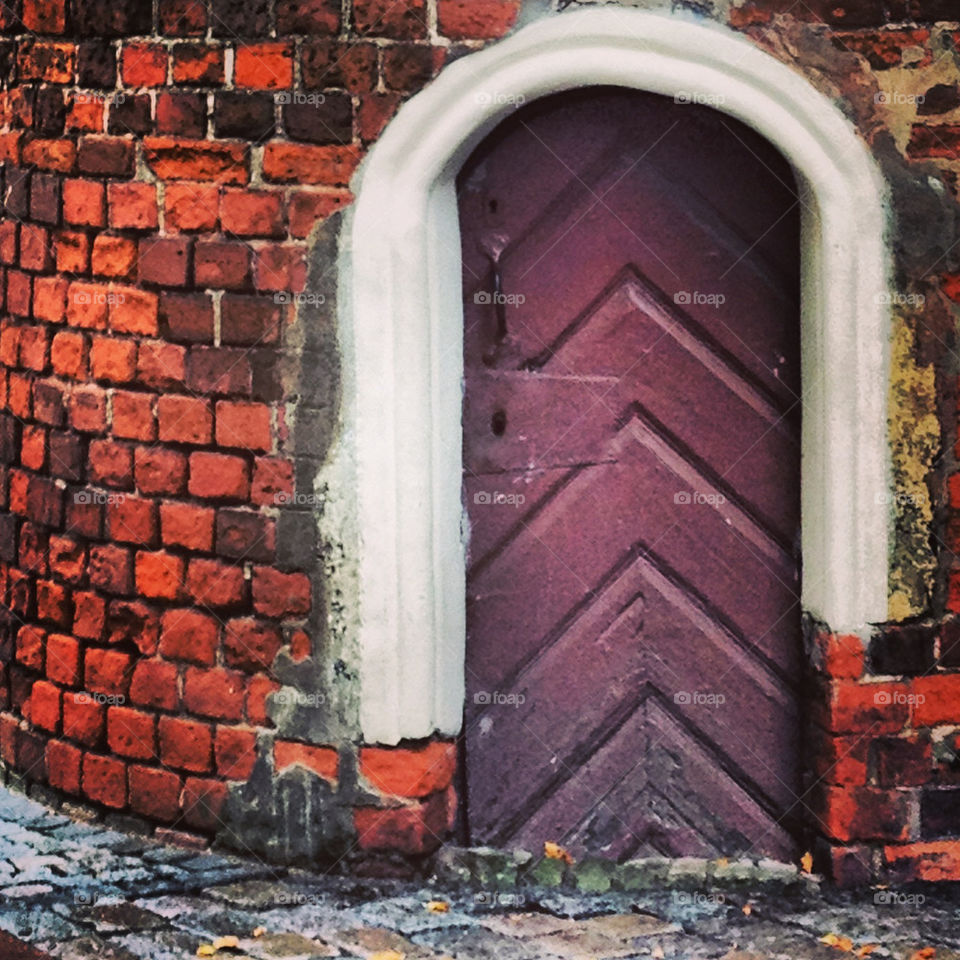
393	488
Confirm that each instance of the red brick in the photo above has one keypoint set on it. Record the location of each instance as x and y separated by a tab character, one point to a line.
189	635
84	203
406	772
106	156
161	366
186	525
187	317
105	780
476	19
216	476
323	761
220	265
264	66
45	60
133	415
250	644
111	569
220	370
301	646
159	575
876	708
112	359
302	163
84	718
159	470
53	603
133	623
280	267
935	140
351	66
87	306
88	409
34	343
111	463
259	690
113	256
130	733
384	18
842	655
930	862
50	298
45	706
235	750
308	207
410	66
143	64
68	354
272	482
902	761
33	447
154	684
252	213
186	744
245	535
44	16
202	802
277	594
197	64
182	18
190	206
863	813
180	159
164	261
154	793
132	520
414	829
89	613
185	420
63	659
63	766
59	156
133	205
936	699
244	425
67	558
214	692
72	252
133	311
107	672
215	584
85	116
312	17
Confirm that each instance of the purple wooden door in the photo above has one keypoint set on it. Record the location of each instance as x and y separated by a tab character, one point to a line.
631	474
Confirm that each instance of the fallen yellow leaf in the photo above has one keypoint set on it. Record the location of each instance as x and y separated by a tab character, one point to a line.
553	851
924	953
438	906
260	931
225	943
844	944
806	862
747	909
205	950
867	949
387	955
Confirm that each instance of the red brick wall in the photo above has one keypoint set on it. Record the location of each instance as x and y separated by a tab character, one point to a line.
164	179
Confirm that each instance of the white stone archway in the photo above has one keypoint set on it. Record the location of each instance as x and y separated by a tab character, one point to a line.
394	485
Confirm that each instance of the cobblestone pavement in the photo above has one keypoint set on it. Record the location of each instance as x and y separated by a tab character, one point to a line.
78	890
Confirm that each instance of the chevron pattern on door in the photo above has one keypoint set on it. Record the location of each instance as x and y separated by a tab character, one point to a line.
631	476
